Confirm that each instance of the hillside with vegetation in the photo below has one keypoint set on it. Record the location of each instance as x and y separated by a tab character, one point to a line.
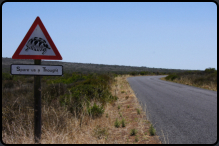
69	67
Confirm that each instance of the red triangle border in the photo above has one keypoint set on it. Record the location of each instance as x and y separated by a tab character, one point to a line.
37	57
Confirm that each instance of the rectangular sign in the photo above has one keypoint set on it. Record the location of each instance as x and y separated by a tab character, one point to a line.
41	70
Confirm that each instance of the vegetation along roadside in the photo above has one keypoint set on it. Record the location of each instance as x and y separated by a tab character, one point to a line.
76	108
206	79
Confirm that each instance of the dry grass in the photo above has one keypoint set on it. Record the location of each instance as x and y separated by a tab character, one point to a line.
128	108
59	126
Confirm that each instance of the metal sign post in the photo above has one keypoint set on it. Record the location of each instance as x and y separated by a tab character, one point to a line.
37	105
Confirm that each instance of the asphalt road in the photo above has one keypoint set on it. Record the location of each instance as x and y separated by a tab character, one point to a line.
184	114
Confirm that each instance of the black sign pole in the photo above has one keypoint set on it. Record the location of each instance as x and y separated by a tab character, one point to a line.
37	105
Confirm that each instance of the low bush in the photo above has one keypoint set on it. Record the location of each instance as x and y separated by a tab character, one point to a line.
210	70
138	111
144	72
117	123
133	132
6	76
123	122
152	131
120	114
171	77
53	92
95	110
133	73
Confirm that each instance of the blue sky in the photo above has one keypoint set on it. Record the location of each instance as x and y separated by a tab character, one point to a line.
153	34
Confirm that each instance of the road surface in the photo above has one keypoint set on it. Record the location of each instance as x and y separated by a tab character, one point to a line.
184	114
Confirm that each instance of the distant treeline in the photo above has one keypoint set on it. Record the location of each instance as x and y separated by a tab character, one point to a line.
69	67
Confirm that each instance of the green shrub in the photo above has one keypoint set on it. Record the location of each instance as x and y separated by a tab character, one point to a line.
95	110
116	124
138	111
171	77
152	130
142	73
53	91
133	132
120	114
111	99
210	70
66	79
6	76
123	122
133	73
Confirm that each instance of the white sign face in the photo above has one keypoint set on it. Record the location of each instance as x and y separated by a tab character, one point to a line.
37	44
51	70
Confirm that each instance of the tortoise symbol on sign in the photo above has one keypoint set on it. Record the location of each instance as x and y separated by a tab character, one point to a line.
37	44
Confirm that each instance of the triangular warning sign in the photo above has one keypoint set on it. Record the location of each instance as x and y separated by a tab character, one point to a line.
37	44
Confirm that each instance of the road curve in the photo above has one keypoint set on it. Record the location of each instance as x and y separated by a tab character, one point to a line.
184	114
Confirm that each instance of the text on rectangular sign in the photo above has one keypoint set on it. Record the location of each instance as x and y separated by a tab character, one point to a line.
20	69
